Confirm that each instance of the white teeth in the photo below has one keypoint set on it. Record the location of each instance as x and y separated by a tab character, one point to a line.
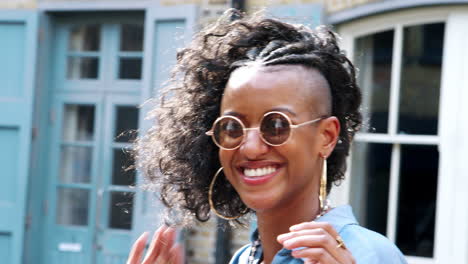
259	171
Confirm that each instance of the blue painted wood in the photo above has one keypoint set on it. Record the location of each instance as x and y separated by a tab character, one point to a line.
71	243
166	29
94	242
18	31
113	242
5	247
37	205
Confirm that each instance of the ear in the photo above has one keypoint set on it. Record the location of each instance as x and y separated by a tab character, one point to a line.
329	133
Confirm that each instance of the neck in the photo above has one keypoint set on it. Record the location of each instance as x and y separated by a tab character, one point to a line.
275	222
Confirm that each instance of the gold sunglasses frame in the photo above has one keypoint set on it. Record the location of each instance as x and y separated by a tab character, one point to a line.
244	129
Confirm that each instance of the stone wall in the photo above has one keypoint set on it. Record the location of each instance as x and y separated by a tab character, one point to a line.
332	6
18	4
200	243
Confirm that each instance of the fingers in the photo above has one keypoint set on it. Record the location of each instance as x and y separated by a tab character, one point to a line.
137	249
162	249
284	237
313	225
163	240
154	248
176	254
319	242
317	255
323	244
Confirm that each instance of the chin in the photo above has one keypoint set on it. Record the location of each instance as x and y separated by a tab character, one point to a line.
259	202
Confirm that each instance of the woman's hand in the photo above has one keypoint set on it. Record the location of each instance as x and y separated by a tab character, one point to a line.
319	243
162	249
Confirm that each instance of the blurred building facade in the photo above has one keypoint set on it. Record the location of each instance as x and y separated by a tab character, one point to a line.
73	73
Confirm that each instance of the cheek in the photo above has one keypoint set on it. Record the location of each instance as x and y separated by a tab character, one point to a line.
304	148
225	158
221	157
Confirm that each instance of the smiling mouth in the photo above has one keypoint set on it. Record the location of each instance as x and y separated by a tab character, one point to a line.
258	172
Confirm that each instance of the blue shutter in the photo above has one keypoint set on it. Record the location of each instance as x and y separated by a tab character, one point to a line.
166	30
18	34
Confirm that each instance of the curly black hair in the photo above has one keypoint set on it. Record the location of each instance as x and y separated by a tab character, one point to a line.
180	160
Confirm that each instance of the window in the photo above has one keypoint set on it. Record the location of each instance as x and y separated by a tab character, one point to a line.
102	55
394	166
403	107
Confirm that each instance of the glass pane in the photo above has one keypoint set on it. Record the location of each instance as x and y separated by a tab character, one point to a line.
120	210
370	178
130	68
72	206
82	68
78	123
374	59
131	37
120	174
420	79
417	200
126	123
85	38
75	164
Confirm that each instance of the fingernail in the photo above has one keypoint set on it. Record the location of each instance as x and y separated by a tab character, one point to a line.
143	236
294	228
283	237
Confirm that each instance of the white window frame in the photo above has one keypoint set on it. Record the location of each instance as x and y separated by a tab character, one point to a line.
451	229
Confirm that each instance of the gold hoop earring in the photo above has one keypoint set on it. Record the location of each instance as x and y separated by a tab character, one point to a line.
210	195
323	186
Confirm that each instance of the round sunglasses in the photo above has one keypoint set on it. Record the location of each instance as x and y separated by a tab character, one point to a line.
228	132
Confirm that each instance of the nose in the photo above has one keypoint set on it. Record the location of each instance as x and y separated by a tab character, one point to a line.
253	146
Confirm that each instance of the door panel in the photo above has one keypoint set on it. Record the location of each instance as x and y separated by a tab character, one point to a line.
17	60
74	167
91	201
116	190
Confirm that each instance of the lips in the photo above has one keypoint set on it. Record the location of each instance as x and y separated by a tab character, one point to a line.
258	172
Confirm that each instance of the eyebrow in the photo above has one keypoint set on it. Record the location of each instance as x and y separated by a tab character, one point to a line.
283	109
279	109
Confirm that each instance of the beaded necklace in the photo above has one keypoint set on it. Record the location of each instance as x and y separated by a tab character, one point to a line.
257	242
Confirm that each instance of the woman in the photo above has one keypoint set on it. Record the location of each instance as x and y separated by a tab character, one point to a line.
259	118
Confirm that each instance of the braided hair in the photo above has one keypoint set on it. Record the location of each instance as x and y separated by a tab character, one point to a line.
179	160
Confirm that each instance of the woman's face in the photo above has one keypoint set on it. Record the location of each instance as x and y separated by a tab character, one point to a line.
291	171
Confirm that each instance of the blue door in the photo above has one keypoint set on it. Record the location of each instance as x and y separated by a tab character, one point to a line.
97	72
18	34
99	79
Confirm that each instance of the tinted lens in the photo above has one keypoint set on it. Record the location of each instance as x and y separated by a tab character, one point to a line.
275	128
228	132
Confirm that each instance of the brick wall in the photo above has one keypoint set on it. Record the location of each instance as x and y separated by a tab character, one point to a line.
200	243
239	237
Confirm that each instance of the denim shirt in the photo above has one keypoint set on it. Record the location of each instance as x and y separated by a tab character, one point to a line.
366	246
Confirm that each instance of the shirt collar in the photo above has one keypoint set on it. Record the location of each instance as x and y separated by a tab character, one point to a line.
338	217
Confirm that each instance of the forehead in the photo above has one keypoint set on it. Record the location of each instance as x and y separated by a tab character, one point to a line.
258	89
